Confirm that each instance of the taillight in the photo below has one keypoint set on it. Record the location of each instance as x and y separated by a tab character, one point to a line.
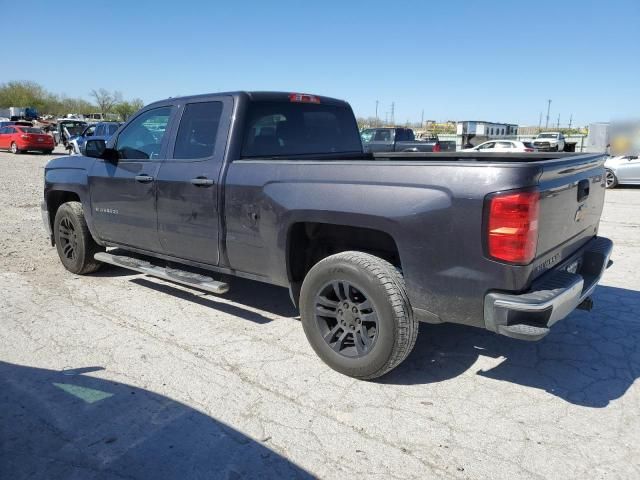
436	148
512	226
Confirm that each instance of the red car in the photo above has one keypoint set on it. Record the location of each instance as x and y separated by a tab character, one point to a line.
21	139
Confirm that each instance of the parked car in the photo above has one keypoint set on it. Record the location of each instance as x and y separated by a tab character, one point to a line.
102	130
622	170
276	187
396	140
67	129
19	139
549	141
498	146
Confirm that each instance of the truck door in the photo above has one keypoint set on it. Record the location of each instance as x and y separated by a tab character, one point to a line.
123	193
188	188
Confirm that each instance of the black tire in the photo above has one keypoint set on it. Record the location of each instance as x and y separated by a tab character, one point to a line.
76	247
381	286
14	148
610	179
47	152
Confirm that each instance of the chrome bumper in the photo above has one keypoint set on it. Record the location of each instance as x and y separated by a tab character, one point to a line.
555	295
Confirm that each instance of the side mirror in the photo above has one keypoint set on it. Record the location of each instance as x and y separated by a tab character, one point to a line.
98	149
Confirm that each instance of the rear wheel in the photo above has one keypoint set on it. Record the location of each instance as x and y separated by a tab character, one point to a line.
14	148
356	314
610	179
76	247
47	152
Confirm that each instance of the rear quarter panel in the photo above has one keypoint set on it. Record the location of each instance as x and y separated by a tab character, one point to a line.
432	210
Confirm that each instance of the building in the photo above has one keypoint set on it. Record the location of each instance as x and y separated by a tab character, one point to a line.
474	132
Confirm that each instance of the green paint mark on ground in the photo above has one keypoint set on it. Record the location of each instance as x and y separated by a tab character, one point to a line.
88	395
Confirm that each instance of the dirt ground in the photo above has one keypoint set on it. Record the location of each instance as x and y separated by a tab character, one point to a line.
120	376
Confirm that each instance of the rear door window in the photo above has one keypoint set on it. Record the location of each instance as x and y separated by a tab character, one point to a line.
276	129
382	136
198	130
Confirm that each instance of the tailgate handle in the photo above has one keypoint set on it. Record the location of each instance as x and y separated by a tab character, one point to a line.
583	189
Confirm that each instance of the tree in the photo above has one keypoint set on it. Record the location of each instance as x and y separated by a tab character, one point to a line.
106	100
125	109
23	94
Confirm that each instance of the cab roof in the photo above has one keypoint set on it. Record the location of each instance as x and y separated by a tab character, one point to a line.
255	96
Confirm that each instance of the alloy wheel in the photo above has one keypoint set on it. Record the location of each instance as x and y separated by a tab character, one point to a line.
68	239
610	178
347	319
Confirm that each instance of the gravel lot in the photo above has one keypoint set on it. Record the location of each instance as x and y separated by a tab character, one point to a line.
117	375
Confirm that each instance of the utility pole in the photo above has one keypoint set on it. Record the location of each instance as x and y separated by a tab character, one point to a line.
422	119
558	126
393	114
377	113
546	125
540	123
570	121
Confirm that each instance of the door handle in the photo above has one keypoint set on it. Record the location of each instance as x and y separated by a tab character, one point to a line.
143	178
202	182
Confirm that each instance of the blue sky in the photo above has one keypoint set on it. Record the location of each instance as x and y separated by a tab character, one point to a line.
498	60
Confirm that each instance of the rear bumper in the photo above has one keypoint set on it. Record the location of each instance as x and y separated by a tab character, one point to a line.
529	316
35	146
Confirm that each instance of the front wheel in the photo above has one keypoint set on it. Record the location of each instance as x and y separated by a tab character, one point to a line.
14	148
356	314
610	179
76	247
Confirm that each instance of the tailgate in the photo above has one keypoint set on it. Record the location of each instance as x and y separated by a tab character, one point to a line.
571	201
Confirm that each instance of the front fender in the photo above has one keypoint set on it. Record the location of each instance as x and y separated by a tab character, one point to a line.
66	177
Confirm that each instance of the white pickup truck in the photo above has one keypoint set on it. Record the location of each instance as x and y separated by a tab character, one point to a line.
549	141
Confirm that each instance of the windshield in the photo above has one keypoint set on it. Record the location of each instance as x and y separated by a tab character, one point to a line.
74	128
292	128
73	124
548	135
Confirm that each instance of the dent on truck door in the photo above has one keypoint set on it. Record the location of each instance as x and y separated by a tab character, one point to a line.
123	194
187	194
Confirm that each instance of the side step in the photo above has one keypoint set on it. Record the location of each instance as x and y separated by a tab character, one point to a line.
523	332
171	274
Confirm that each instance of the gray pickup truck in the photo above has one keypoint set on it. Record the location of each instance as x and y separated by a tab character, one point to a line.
396	139
275	187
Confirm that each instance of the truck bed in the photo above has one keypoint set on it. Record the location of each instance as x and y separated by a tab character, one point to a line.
481	156
431	205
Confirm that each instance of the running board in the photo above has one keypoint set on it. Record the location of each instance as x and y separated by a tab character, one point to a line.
171	274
